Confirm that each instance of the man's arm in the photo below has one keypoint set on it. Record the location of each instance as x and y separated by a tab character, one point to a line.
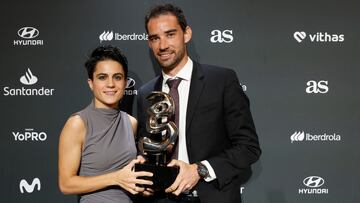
240	129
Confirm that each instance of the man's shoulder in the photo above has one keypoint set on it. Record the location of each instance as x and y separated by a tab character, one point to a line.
215	70
149	86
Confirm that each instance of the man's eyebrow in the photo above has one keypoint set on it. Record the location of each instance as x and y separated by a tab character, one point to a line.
172	30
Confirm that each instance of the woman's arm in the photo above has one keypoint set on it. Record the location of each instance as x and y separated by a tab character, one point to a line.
134	123
70	147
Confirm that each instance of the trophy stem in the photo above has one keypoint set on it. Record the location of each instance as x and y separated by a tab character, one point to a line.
158	159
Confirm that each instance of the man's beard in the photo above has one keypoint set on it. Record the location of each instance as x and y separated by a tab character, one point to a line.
172	63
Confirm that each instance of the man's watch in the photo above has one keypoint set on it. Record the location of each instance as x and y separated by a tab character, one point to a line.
202	170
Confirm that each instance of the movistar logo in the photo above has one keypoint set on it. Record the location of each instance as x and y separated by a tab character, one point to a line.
29	188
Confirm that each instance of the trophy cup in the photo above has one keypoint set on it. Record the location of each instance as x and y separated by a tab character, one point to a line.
159	146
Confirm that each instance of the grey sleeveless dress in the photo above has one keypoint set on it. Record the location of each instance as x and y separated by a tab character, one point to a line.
109	146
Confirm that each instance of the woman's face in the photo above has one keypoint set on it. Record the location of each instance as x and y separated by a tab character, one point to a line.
108	84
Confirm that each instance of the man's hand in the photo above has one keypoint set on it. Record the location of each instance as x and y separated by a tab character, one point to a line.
186	179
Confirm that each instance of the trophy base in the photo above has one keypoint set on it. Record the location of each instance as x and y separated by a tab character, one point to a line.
163	176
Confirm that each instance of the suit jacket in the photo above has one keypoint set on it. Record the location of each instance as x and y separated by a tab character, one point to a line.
219	129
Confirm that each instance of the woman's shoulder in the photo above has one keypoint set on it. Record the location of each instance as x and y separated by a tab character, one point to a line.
131	118
75	122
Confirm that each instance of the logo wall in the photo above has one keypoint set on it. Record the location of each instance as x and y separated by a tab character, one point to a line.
221	36
28	35
300	136
313	184
110	35
29	188
28	79
300	36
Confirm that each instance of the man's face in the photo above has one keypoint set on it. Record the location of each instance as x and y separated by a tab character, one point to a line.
168	41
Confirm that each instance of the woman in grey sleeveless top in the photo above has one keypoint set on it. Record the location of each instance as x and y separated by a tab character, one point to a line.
97	150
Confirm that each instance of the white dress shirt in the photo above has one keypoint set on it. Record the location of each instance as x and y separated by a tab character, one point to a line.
183	90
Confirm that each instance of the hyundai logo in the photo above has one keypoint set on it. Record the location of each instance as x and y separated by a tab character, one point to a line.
314	181
130	83
28	32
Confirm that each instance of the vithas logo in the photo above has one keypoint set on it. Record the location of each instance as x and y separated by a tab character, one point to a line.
29	188
28	78
106	36
299	36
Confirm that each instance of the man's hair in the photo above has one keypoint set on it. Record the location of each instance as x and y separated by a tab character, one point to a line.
164	9
103	53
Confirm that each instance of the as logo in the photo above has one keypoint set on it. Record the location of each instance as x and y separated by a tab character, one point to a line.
218	36
29	187
317	87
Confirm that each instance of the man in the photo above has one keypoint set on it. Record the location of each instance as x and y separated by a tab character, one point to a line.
217	138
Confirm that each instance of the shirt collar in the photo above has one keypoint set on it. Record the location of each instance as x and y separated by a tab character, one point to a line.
184	73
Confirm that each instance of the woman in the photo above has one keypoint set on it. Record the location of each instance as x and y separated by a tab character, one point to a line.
97	150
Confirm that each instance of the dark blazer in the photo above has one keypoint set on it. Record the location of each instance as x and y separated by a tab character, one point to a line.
219	129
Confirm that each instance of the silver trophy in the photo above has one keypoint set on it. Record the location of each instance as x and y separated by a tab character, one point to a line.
159	146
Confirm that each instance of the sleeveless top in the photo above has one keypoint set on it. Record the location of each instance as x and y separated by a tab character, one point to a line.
109	145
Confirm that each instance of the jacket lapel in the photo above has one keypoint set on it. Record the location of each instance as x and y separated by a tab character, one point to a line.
158	83
196	88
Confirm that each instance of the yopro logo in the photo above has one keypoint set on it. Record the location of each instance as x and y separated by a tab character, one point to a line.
218	36
29	188
28	34
313	183
110	35
300	36
28	79
299	136
29	135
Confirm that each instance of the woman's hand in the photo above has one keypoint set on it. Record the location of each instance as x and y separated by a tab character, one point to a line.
130	180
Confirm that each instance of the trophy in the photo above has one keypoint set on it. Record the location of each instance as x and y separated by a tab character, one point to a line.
160	144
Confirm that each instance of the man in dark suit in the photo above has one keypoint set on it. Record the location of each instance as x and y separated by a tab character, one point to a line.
217	138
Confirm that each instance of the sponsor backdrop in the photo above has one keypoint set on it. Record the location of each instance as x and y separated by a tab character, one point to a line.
298	62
